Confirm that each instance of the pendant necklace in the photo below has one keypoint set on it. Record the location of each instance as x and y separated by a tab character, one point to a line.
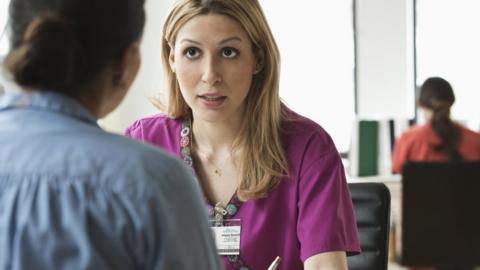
217	170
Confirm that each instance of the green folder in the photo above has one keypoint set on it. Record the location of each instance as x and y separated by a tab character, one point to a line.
367	148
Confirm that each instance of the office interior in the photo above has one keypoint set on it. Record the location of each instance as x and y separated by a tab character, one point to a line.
342	61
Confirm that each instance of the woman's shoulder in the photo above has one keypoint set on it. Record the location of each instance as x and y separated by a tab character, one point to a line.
470	135
468	131
153	121
300	132
417	131
155	124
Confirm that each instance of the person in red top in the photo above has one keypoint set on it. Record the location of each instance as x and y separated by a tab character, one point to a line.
440	139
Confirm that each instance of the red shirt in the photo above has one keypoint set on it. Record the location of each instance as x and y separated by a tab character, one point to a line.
417	144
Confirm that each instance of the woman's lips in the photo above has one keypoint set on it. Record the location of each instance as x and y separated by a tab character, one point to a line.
212	101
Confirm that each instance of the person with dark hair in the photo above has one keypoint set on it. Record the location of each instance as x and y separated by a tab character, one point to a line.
440	138
73	196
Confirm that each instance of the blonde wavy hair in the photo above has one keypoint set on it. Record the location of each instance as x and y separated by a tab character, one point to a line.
263	159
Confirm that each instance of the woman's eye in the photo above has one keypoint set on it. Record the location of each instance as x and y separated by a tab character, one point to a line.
229	53
191	52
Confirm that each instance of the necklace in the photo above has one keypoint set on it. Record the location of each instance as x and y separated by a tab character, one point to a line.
186	145
217	170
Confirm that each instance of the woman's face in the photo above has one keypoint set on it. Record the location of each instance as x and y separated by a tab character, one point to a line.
214	65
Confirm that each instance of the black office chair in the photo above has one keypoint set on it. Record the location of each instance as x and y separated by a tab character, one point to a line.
440	219
371	202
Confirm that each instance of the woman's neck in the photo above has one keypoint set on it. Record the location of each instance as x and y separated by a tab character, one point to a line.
215	137
427	114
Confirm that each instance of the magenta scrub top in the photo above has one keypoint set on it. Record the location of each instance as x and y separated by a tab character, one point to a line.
307	213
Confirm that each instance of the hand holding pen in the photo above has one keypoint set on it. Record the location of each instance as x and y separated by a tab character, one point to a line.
275	263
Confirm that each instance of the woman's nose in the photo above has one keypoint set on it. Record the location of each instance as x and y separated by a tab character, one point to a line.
211	72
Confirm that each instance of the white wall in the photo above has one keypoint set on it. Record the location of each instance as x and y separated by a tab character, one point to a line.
149	81
384	62
450	48
385	58
317	61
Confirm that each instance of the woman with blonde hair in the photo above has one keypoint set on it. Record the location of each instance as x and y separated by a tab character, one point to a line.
273	180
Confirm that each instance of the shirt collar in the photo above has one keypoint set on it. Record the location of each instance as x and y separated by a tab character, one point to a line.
47	101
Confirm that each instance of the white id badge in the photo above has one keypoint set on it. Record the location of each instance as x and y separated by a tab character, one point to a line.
227	236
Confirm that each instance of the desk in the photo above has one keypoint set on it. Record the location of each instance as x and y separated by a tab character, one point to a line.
394	184
395	266
388	178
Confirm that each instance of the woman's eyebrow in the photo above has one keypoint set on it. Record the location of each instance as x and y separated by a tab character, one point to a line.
237	39
230	39
190	41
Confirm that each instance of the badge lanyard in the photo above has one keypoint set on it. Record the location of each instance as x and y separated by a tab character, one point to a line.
227	230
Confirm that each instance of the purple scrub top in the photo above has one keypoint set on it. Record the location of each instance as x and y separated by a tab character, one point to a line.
307	213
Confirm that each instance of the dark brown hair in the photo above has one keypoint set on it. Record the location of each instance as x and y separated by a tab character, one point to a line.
61	45
437	95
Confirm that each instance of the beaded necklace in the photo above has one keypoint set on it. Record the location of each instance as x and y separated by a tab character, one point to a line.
217	212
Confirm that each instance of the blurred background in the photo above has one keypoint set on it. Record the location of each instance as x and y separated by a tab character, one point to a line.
341	60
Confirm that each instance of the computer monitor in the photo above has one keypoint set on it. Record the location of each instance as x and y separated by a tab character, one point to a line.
441	214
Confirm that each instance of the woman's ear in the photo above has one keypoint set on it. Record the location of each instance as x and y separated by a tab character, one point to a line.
420	104
259	61
128	66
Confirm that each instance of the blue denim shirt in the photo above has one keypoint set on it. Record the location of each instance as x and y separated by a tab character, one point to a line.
73	196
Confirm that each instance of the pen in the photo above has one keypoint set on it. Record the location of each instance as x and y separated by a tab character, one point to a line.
274	264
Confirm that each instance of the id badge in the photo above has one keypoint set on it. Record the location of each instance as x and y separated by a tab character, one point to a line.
227	236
